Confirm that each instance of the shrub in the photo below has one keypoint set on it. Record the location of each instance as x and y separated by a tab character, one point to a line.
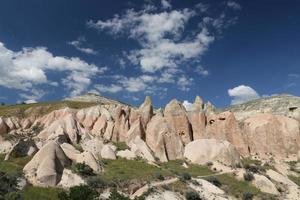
78	193
248	196
8	183
214	180
115	195
248	176
97	182
191	195
185	176
83	169
159	176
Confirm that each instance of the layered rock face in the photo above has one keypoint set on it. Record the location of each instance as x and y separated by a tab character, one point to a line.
272	134
201	134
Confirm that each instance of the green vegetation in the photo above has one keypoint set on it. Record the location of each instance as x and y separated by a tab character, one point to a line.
117	196
78	193
8	184
82	169
175	167
121	146
38	109
238	188
295	179
13	165
248	176
214	180
123	171
40	193
191	195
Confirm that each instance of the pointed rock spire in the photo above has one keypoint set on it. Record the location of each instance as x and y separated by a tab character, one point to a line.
198	104
146	110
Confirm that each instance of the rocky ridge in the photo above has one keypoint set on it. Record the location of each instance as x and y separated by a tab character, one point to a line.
199	136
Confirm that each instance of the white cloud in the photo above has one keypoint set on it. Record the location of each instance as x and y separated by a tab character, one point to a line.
30	101
187	105
28	68
33	94
164	43
201	71
242	93
234	5
166	4
113	88
184	83
78	45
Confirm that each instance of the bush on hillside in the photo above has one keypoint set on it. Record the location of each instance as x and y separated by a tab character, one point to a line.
192	195
83	169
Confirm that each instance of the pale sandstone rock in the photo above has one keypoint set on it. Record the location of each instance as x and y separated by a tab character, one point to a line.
278	135
146	111
53	116
165	144
165	195
108	153
62	130
121	127
26	123
136	129
207	150
47	165
177	120
207	190
197	119
93	145
140	148
70	151
12	123
88	116
99	127
3	127
224	126
70	179
264	184
89	159
127	154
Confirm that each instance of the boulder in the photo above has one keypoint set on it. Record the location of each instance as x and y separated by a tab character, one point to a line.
140	148
264	184
70	151
89	159
278	135
209	150
207	190
46	167
165	195
127	154
3	127
108	153
70	179
177	120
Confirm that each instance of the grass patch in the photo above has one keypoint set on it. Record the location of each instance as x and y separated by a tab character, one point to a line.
121	146
295	179
13	165
39	109
238	188
175	167
122	170
40	193
179	187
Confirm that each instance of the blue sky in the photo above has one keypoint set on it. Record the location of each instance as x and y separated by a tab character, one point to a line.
227	52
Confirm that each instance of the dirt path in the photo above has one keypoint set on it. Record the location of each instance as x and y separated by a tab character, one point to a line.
145	188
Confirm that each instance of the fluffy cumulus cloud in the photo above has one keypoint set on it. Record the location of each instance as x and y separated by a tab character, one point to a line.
165	45
188	106
242	93
27	69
